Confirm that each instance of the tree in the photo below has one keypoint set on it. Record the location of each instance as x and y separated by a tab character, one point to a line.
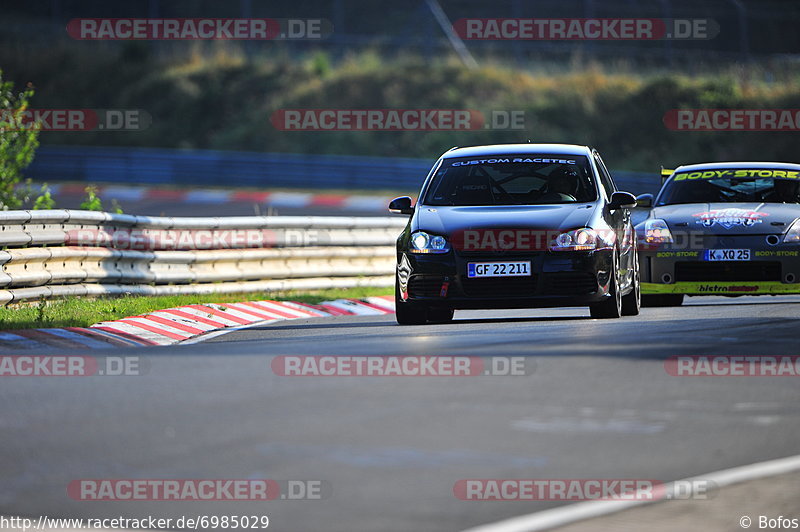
18	142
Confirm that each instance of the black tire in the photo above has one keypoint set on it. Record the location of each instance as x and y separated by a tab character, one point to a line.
610	308
632	302
440	314
407	313
662	300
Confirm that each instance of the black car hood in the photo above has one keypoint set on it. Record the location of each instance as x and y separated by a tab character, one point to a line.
447	220
726	218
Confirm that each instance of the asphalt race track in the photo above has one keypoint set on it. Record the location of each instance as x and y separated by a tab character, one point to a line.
598	404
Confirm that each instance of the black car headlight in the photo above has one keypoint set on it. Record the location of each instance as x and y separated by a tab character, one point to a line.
422	242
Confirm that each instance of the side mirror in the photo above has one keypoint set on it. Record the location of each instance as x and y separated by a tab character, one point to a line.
645	201
401	205
622	200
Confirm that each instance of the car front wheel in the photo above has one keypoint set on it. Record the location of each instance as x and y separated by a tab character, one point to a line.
632	302
408	313
610	307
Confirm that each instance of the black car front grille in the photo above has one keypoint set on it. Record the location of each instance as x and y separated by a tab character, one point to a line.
569	283
425	285
500	287
728	271
498	254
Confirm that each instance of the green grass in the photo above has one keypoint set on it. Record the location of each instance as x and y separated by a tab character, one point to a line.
81	312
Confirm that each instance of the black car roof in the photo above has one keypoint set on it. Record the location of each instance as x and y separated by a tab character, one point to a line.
514	149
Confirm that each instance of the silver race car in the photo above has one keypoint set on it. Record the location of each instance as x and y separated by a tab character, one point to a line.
721	229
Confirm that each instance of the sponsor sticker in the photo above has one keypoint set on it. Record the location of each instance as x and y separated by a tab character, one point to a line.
543	160
728	218
722	287
741	288
742	173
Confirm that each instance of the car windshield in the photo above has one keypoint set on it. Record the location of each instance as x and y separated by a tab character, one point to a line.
732	186
512	180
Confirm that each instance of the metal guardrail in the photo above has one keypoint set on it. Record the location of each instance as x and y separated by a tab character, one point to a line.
61	253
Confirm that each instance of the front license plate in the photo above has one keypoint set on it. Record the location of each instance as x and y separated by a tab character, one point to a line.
499	269
727	254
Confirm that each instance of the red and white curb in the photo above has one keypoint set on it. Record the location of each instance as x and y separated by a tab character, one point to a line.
270	199
188	323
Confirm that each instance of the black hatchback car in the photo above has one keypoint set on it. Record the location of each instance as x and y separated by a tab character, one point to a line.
516	226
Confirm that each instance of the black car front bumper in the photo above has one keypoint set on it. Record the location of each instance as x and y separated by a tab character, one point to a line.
561	279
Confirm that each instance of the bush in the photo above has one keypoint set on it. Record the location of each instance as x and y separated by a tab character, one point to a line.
45	200
92	201
215	98
18	143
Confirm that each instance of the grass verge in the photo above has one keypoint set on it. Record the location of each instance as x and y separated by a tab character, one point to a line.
85	312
